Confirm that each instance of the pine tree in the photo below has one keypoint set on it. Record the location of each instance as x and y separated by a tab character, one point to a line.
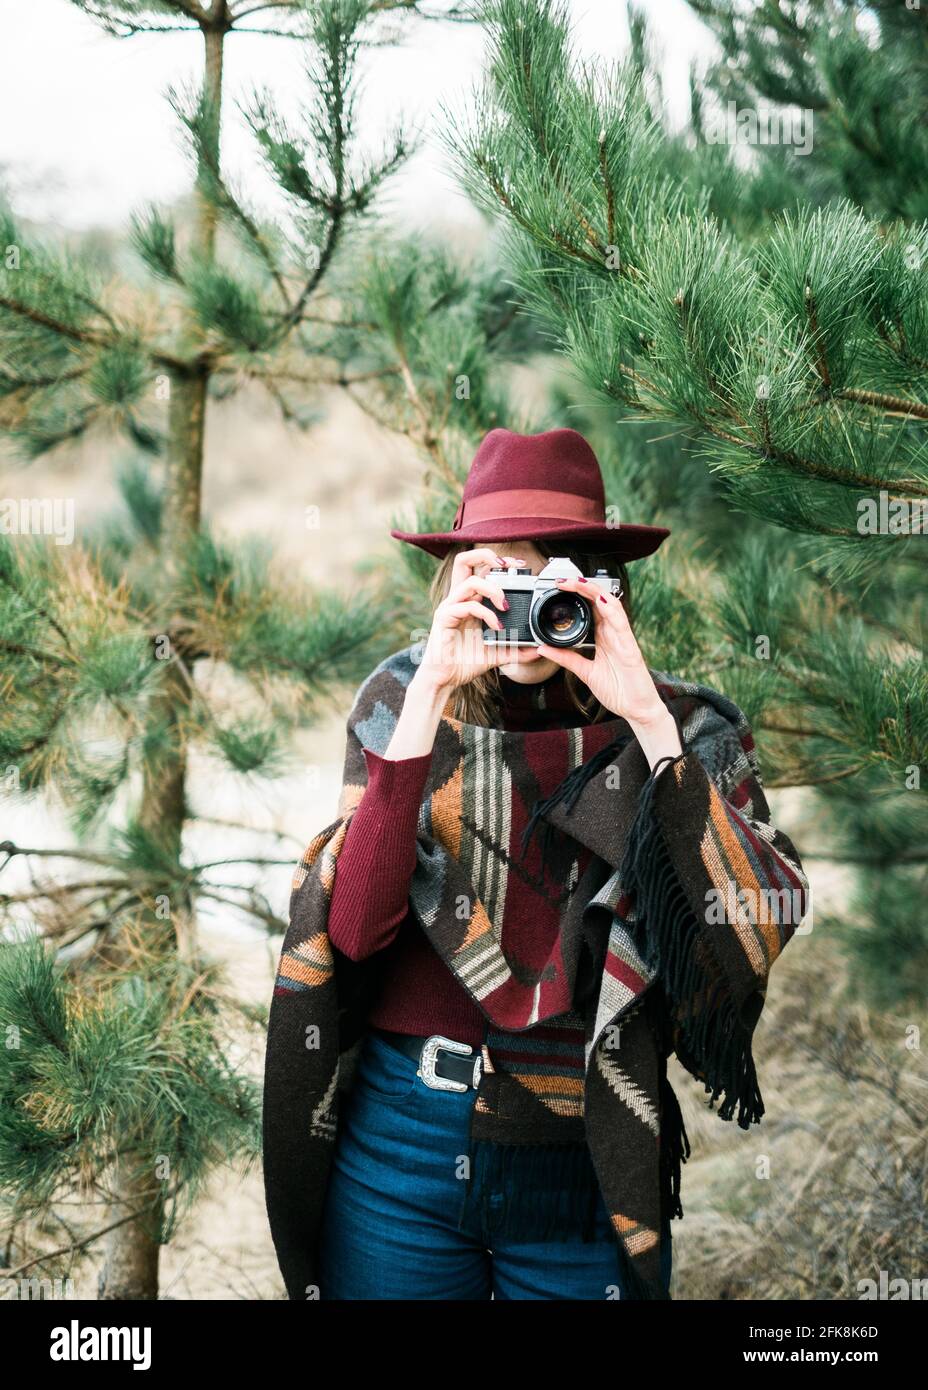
115	1078
861	69
786	353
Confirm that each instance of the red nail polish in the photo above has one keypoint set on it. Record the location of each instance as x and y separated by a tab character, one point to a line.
602	598
582	580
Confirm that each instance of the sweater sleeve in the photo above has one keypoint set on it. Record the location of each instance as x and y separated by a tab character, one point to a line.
370	896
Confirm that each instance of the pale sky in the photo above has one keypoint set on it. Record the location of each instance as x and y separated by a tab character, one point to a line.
86	134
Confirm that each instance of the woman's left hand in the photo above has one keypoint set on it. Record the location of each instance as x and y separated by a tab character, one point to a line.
617	674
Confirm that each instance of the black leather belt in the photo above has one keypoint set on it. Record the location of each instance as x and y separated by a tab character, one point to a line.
444	1064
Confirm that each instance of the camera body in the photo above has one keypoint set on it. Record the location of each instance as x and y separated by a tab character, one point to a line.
540	611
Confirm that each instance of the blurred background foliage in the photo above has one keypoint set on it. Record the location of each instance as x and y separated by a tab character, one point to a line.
742	334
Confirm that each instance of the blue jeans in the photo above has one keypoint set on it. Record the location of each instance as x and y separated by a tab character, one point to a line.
389	1228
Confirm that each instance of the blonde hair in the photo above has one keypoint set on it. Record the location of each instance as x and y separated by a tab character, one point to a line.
477	702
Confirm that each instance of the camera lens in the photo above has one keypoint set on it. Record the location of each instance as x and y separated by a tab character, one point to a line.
561	620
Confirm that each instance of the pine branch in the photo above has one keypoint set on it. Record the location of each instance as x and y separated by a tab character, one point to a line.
265	33
822	359
248	829
252	907
65	936
34	383
34	653
259	9
610	192
288	413
88	336
310	379
73	1246
12	850
892	405
63	330
244	859
196	12
228	203
294	314
121	21
236	15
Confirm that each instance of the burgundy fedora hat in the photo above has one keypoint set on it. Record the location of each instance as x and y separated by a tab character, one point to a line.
528	486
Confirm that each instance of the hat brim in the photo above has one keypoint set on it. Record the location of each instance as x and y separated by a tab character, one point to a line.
626	542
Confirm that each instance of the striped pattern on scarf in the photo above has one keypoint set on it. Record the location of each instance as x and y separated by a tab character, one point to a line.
631	869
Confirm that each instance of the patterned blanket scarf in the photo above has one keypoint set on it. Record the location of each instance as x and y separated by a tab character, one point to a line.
674	895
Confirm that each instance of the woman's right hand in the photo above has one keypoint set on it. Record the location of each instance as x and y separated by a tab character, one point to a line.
455	651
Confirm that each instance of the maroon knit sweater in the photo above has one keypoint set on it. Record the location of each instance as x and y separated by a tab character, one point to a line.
369	909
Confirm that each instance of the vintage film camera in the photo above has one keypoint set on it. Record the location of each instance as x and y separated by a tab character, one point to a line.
540	611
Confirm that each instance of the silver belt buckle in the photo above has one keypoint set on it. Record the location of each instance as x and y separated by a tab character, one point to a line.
429	1056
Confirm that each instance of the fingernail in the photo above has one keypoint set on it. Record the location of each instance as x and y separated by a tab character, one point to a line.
602	598
505	603
562	580
582	580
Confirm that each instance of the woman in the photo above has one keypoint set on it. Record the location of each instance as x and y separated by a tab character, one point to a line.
509	1131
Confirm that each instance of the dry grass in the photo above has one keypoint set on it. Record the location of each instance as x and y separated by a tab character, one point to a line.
832	1186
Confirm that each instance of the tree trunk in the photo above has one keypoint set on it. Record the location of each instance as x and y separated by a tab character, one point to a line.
163	807
130	1269
206	209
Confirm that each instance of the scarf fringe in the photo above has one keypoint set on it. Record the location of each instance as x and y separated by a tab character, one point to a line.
709	1038
675	1150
